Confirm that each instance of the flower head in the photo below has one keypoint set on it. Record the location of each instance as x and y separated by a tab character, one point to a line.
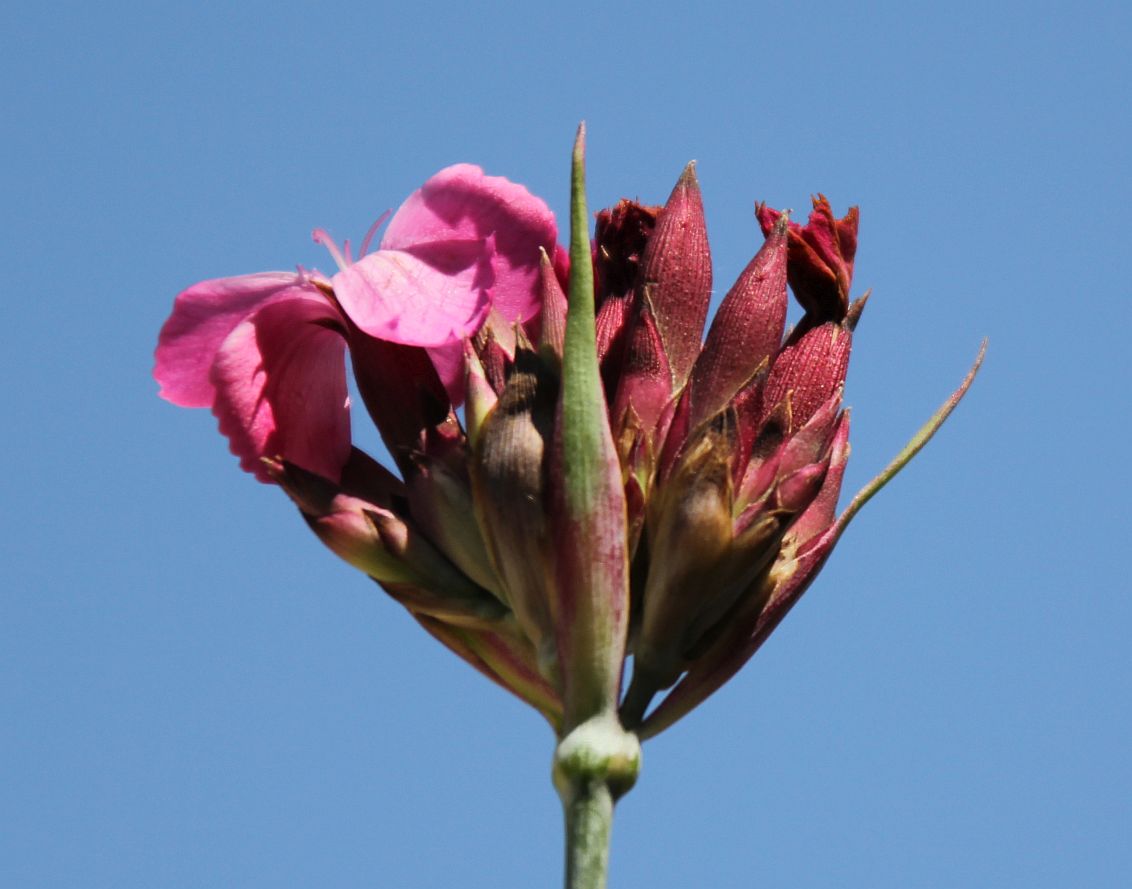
617	483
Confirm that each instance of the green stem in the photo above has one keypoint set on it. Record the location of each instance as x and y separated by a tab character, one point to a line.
594	765
589	823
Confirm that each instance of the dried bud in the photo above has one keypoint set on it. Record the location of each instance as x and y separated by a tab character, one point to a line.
619	244
620	238
821	258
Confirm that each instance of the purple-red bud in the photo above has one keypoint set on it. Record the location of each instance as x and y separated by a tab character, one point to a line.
746	331
676	275
646	381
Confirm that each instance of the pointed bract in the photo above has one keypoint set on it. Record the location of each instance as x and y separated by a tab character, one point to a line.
552	331
587	506
746	331
676	275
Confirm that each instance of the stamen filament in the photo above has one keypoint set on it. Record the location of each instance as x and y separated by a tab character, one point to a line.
320	236
372	231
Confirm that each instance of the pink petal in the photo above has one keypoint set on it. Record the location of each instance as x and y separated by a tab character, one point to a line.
460	202
280	384
202	317
436	295
449	363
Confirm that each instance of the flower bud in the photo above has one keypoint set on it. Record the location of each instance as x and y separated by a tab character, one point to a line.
508	474
440	499
746	331
644	393
676	274
374	538
808	371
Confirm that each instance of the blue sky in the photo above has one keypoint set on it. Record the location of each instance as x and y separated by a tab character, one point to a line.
194	693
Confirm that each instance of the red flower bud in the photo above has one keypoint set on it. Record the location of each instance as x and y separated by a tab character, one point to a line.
675	275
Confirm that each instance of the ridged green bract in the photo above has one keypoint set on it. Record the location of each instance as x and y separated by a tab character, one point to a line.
592	564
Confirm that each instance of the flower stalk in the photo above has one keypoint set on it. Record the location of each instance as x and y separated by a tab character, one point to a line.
594	766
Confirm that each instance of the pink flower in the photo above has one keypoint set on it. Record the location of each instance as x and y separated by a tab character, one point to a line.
266	351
